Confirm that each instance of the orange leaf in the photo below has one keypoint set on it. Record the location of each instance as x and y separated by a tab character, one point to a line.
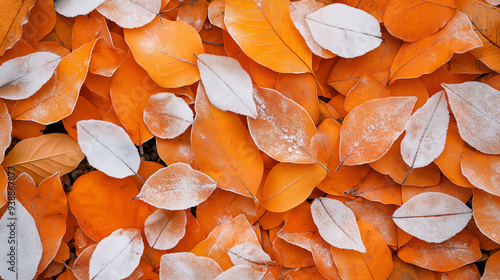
414	20
224	149
42	21
99	216
194	13
367	88
276	135
451	254
194	235
469	271
169	62
164	228
265	32
414	59
369	130
445	186
376	263
57	98
404	270
449	160
14	15
6	128
375	7
177	149
299	227
377	187
481	170
492	269
289	255
486	214
323	258
84	110
186	265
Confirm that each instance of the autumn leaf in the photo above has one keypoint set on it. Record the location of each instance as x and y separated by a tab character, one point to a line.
265	32
44	155
188	266
16	14
130	14
164	229
73	8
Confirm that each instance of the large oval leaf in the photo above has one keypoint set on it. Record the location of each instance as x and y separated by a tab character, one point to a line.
426	132
177	187
475	106
333	28
413	59
228	86
265	32
432	217
279	136
22	76
117	255
165	49
337	224
108	148
45	155
224	149
369	130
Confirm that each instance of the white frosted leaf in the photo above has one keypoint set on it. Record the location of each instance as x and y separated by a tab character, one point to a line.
241	272
130	13
167	116
227	85
432	217
117	255
426	132
345	31
164	228
249	254
188	266
299	10
337	224
73	8
22	76
476	108
108	148
20	257
177	187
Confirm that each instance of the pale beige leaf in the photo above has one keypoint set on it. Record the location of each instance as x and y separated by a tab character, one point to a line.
130	13
188	266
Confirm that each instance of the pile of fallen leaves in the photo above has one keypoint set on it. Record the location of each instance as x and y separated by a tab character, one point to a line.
298	140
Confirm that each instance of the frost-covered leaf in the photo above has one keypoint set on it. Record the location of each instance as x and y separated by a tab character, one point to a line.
345	31
240	272
227	84
164	228
108	148
19	226
475	106
73	8
177	187
130	13
250	254
167	116
426	132
299	10
117	255
432	217
337	224
22	76
187	266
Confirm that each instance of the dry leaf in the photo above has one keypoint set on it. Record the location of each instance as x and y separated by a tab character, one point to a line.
73	8
164	228
186	266
129	13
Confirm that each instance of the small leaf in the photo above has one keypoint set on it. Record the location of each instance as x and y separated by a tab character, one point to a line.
228	86
45	155
14	15
481	170
333	28
22	76
108	148
337	224
487	214
164	229
129	13
186	266
117	255
426	132
240	272
474	105
492	269
165	49
369	130
177	187
432	217
167	116
28	248
73	8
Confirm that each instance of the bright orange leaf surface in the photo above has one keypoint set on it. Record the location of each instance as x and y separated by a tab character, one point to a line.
224	139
